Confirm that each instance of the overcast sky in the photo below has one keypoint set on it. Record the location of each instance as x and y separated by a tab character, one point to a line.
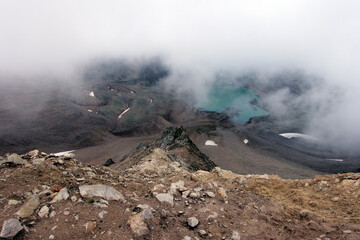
197	39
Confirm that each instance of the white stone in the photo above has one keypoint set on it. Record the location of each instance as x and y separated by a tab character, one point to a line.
102	214
44	211
210	143
192	221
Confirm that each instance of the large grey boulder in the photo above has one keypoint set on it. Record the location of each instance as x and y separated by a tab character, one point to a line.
10	228
99	190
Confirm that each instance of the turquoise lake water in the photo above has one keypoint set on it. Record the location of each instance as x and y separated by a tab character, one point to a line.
238	100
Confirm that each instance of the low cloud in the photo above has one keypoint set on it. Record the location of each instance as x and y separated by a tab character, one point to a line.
46	41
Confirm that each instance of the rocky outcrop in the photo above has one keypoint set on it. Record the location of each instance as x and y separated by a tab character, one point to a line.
178	147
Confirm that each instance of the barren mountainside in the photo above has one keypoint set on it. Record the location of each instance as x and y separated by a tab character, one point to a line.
155	192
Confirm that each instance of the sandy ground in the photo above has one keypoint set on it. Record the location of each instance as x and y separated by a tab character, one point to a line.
230	154
114	148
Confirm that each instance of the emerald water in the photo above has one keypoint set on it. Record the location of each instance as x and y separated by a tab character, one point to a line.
237	100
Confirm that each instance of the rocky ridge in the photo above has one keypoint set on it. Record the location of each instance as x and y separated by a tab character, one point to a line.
178	147
48	197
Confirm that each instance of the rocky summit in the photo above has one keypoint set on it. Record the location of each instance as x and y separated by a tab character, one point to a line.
158	193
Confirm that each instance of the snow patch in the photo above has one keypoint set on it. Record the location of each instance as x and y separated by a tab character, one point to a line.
122	114
63	153
92	94
335	159
210	143
298	135
89	110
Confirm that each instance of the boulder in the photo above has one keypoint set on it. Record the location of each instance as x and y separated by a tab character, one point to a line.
138	225
33	153
10	229
15	159
165	198
99	190
29	207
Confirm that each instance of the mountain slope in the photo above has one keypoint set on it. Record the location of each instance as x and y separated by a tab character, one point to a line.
158	197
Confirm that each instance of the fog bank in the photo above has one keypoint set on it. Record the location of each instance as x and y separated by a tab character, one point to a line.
53	40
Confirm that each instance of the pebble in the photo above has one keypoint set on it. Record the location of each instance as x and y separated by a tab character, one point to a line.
52	214
235	236
63	194
174	187
194	195
222	193
66	213
192	222
210	194
212	215
335	199
185	194
202	233
102	214
51	237
44	211
90	226
13	202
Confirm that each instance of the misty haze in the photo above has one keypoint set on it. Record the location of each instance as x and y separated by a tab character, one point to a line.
254	87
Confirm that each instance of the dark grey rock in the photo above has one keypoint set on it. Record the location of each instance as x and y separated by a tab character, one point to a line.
108	162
